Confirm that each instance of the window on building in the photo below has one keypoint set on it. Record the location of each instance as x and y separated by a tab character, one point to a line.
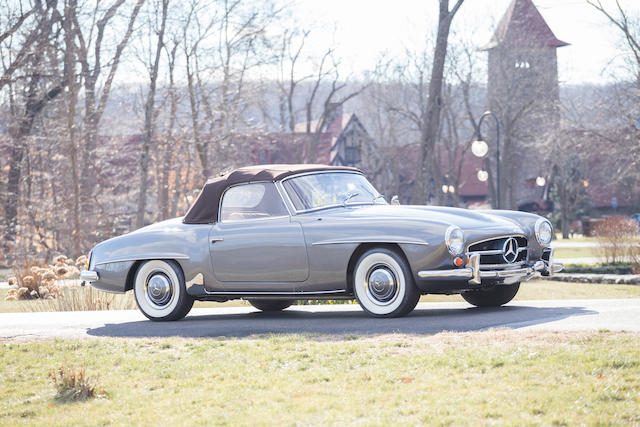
352	155
263	157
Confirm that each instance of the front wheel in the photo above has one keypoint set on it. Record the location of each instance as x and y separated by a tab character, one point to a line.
270	304
383	284
160	291
493	297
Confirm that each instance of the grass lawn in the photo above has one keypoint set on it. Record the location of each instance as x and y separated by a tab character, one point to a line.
533	290
577	238
576	252
498	376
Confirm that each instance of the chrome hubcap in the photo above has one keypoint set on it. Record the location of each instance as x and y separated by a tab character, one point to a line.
159	289
382	284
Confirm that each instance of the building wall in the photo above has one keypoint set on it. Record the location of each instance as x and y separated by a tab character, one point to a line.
523	91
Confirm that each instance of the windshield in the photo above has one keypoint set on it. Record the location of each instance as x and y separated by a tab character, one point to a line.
322	190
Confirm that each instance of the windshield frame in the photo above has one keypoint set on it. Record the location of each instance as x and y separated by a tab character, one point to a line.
296	211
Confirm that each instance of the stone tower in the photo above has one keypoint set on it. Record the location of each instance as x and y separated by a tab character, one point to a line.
523	92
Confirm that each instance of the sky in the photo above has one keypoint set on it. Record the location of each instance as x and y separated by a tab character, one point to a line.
362	29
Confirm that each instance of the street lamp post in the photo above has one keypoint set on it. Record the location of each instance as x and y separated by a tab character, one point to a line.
479	148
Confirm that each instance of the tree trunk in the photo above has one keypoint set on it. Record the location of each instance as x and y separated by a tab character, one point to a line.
426	163
149	121
33	107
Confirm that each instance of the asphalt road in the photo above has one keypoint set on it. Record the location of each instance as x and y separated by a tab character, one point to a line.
428	318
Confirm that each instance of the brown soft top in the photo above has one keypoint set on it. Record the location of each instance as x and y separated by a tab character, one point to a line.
205	209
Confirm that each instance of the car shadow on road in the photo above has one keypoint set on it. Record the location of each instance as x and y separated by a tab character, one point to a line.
343	322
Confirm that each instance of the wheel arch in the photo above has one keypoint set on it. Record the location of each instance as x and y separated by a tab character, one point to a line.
364	247
131	275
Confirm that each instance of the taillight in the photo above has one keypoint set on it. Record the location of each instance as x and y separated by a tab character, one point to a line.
89	259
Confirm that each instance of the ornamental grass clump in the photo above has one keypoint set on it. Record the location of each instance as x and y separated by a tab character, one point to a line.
72	384
37	282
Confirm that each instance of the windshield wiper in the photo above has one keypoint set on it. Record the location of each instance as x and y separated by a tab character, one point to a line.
377	197
349	197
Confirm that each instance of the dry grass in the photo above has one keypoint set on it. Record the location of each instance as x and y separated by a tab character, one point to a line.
82	298
72	384
495	377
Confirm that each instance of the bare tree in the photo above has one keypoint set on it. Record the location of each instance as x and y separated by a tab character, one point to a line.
327	94
36	92
168	147
427	164
90	37
150	115
628	98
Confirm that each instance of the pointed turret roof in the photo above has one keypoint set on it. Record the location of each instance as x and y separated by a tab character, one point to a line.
523	26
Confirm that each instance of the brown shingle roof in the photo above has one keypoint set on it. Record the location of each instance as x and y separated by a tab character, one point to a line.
523	26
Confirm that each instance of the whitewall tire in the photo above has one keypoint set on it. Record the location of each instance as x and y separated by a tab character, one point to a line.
383	284
160	291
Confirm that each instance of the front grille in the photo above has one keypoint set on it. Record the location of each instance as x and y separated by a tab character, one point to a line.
491	252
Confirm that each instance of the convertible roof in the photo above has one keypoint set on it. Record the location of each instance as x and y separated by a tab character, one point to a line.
205	209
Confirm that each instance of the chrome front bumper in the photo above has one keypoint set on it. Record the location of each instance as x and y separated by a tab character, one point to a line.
474	275
88	276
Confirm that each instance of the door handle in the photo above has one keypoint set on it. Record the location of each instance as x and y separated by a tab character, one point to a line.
217	239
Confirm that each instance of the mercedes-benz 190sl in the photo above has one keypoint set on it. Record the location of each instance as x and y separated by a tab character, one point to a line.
274	234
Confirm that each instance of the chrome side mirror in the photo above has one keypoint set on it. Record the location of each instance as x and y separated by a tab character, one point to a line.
395	200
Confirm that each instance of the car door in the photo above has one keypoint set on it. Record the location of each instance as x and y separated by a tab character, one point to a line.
255	246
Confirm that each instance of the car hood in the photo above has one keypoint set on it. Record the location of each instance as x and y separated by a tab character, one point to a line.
466	219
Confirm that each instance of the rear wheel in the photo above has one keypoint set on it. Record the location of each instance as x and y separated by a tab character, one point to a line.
160	291
270	304
383	284
493	297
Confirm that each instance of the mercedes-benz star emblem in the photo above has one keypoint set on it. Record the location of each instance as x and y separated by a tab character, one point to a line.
510	250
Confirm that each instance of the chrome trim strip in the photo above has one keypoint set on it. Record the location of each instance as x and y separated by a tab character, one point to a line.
550	267
474	274
494	274
369	240
474	262
286	198
459	273
495	238
89	276
491	252
340	205
489	266
247	293
496	251
143	257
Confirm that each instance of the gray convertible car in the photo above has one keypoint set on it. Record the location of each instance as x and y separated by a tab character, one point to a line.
273	234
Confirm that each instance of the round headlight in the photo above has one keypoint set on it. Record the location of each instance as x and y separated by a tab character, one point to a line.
543	231
454	239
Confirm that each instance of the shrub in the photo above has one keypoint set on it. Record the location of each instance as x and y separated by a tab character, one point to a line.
619	239
72	384
38	282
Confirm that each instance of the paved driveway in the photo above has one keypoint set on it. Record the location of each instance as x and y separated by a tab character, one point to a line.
428	318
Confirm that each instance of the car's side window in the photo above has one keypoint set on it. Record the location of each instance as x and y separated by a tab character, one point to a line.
252	201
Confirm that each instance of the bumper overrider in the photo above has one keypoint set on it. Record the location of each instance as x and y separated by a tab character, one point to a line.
474	274
89	276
